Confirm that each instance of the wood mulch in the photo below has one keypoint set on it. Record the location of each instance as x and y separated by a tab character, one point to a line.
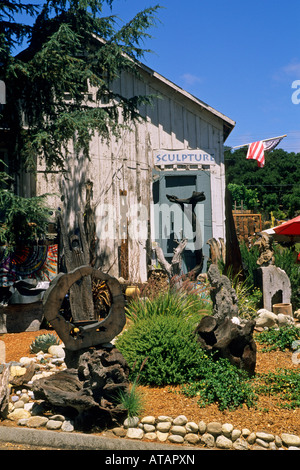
267	416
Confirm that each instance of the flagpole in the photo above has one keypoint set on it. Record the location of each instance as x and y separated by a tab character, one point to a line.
265	140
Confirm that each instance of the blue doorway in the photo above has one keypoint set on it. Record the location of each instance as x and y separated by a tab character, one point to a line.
172	222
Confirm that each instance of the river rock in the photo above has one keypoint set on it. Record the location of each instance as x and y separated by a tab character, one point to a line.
208	440
175	439
179	430
265	318
227	430
223	442
290	440
164	426
135	433
148	420
37	421
18	413
192	438
181	420
191	427
214	428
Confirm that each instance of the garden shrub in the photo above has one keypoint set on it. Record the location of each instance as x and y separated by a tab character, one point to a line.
224	384
170	302
167	341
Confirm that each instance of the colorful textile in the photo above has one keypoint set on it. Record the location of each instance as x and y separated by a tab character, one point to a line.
37	262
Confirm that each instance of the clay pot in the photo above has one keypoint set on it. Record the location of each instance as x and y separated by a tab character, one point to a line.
132	292
286	309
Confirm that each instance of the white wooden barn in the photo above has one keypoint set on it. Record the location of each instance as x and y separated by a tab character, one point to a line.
178	149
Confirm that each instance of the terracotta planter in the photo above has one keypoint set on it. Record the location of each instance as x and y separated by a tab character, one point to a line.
286	309
132	292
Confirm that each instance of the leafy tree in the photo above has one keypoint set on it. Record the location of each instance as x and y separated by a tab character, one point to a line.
240	194
72	45
276	184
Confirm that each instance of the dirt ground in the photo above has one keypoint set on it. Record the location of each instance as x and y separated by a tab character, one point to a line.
267	416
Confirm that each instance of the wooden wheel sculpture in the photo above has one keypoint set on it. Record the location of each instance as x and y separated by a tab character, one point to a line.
79	336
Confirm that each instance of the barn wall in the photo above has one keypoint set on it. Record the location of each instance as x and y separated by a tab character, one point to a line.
121	172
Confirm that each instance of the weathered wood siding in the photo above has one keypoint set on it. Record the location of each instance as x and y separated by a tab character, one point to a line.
124	166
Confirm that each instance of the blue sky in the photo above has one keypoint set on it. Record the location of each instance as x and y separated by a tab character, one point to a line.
240	57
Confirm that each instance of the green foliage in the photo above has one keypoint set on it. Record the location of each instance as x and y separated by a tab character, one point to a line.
278	338
222	383
172	302
240	194
22	220
285	258
285	384
248	296
276	184
131	400
43	343
72	45
167	341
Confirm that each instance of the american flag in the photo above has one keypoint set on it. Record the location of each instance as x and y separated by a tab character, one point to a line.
256	150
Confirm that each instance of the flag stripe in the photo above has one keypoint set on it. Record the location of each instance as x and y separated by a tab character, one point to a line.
256	152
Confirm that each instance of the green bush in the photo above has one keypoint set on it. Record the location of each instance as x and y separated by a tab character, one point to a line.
167	341
224	384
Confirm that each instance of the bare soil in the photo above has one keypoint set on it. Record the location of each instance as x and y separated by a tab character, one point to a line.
267	416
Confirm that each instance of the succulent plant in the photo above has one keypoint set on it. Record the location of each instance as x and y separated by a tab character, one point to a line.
43	342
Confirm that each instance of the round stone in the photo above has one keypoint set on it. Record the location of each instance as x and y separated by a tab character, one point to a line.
227	430
180	430
192	438
162	436
175	439
214	428
208	440
53	425
290	440
131	422
37	421
149	428
148	420
202	427
265	436
223	442
181	420
163	426
67	426
18	413
191	427
151	436
135	433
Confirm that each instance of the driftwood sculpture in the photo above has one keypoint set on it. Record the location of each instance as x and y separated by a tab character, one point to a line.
76	336
223	333
229	340
266	251
188	207
96	370
77	253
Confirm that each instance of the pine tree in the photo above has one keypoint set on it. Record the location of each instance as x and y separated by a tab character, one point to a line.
72	45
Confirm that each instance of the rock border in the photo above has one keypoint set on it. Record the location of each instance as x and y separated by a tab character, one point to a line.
24	410
211	435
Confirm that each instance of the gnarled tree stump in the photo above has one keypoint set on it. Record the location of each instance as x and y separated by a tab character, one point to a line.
229	340
89	391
